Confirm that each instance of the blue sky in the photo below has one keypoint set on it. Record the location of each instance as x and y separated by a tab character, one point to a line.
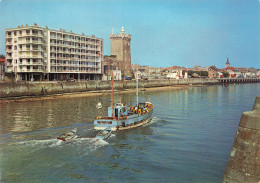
164	32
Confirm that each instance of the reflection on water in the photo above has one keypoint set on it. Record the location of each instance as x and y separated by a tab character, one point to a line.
188	140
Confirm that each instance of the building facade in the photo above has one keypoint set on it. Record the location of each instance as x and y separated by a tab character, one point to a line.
120	47
35	53
2	69
212	72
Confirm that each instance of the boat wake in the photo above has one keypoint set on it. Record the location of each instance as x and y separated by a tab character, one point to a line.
154	120
34	145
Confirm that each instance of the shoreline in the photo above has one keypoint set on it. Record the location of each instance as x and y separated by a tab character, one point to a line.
93	93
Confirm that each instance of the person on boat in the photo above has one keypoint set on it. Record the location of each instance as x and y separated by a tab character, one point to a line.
140	111
135	110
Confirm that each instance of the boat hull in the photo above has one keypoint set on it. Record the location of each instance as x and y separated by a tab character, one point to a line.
129	123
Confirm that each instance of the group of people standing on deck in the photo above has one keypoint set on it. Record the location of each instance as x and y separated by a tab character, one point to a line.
137	110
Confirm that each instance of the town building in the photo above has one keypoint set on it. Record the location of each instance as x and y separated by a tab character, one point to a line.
2	69
120	47
36	53
212	72
111	64
227	63
117	75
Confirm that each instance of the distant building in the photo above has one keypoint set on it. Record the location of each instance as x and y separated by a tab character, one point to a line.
120	47
111	64
36	53
117	75
227	63
212	72
258	73
2	69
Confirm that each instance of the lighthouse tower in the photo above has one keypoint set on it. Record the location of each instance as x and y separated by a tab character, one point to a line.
120	47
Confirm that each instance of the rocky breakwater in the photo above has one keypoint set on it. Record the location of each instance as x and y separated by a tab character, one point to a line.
244	161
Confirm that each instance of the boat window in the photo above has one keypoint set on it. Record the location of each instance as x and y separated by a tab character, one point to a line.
105	122
116	113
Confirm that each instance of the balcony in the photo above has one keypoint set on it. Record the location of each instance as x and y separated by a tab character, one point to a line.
9	43
31	70
31	63
9	64
37	34
37	49
36	56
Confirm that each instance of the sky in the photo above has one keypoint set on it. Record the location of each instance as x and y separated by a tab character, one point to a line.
164	32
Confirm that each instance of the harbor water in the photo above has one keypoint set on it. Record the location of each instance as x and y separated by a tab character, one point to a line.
188	140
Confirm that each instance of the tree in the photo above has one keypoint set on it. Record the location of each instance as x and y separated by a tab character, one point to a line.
190	72
183	72
225	74
2	56
204	73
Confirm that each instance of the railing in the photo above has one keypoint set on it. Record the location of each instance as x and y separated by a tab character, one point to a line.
9	64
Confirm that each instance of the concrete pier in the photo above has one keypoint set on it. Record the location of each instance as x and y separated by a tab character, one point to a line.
238	80
244	161
48	88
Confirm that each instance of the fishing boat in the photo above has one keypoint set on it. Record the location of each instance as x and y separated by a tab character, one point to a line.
122	117
104	134
68	135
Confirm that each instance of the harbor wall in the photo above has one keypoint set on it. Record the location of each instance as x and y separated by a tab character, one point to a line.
48	88
244	161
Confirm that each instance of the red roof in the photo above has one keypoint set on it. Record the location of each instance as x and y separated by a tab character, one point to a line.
230	68
2	60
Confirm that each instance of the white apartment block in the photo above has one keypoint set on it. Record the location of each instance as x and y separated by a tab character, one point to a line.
35	54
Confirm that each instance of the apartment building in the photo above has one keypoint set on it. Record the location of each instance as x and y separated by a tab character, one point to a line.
36	53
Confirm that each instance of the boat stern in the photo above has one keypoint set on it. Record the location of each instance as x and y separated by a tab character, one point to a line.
102	124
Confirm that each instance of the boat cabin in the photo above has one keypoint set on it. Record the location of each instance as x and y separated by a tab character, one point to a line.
119	110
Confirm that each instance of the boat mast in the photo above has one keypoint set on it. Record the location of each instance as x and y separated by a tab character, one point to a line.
113	112
137	90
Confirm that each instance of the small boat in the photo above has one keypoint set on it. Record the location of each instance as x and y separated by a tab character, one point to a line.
68	135
104	134
121	117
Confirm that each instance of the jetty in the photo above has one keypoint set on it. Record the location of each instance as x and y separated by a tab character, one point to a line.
238	80
244	161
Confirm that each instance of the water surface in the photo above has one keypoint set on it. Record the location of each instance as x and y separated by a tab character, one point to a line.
188	140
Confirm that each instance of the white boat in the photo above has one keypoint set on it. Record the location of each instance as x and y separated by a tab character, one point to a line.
104	134
68	135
